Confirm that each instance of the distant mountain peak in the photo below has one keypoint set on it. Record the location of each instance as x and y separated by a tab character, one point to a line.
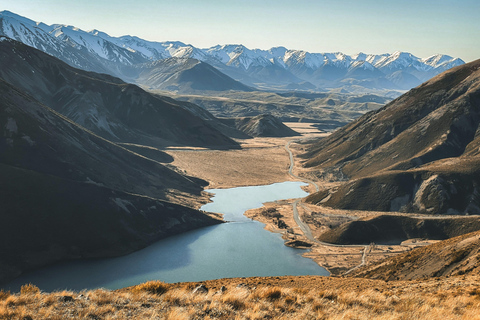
278	66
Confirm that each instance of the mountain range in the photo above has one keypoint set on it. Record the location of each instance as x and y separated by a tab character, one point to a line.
240	68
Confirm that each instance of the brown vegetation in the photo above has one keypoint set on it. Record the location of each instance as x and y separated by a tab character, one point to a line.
256	298
455	256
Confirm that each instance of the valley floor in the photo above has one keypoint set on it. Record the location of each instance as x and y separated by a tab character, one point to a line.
261	161
264	161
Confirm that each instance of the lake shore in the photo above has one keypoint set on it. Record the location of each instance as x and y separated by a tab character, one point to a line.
263	161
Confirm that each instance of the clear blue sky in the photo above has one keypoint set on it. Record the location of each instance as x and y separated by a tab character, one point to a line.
422	27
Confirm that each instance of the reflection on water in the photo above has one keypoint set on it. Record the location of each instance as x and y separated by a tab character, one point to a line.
241	248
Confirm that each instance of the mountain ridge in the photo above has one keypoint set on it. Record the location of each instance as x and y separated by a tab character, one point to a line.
106	105
276	67
419	153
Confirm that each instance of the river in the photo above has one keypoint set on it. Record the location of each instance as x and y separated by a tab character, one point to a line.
239	248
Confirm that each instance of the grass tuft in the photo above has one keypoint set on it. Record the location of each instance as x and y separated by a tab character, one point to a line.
29	289
4	294
273	294
152	287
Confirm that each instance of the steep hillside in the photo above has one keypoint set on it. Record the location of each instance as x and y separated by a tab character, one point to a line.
418	153
68	193
388	229
105	105
456	256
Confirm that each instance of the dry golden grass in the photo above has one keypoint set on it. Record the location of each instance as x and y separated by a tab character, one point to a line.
272	298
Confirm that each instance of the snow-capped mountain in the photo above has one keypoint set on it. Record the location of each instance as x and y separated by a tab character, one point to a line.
274	68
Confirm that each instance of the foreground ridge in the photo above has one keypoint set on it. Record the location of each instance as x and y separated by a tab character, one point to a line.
255	298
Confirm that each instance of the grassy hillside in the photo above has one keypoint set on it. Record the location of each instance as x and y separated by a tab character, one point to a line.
452	257
256	298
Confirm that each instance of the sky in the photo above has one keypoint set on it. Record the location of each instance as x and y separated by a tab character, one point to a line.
421	27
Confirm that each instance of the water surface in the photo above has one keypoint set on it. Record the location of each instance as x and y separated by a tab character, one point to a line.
240	248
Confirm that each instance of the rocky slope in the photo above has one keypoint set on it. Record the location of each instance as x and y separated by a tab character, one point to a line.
105	105
456	256
419	153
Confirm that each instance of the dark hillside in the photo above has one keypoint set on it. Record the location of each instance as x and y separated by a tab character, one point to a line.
103	104
67	193
433	121
184	75
388	229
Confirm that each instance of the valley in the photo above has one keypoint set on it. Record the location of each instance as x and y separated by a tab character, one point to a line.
163	180
264	161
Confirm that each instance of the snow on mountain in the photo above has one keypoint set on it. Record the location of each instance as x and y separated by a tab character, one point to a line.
239	56
309	60
26	31
442	61
362	64
96	44
436	60
97	51
398	61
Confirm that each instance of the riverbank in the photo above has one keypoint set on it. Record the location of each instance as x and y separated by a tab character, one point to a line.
337	259
301	224
261	161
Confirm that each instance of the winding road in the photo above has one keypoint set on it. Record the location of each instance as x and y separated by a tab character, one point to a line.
302	225
292	164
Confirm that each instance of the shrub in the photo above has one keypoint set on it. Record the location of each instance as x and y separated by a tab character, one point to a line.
29	289
235	302
272	294
4	294
153	287
271	213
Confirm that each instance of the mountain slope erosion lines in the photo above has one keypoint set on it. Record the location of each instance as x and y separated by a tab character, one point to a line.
419	153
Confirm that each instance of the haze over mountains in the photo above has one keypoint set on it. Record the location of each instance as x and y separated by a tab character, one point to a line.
276	68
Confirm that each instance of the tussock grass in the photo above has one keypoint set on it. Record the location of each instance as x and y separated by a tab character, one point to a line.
447	298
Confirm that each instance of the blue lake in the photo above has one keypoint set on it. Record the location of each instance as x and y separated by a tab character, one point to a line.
239	248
